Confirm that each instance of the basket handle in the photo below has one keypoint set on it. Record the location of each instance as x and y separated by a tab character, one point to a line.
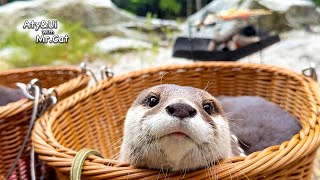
43	99
78	161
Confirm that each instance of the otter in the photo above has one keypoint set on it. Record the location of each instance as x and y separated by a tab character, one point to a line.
181	128
175	128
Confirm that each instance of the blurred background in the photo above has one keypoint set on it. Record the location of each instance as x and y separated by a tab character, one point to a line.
133	34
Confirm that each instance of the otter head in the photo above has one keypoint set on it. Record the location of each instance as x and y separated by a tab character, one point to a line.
175	128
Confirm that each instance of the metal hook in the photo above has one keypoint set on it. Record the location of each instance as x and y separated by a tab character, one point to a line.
53	97
24	90
106	72
43	99
88	71
312	71
83	66
28	90
35	82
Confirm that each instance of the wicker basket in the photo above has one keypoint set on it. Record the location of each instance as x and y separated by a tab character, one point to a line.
94	118
15	117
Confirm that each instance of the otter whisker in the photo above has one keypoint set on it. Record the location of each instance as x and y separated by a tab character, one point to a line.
226	160
168	128
163	77
208	85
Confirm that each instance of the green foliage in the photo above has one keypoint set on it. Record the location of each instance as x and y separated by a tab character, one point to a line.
79	47
170	5
165	9
153	38
316	2
3	65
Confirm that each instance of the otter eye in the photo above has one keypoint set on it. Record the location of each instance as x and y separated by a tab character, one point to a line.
208	108
153	101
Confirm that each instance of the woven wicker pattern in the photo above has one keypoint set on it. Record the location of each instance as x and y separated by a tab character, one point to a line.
94	118
15	117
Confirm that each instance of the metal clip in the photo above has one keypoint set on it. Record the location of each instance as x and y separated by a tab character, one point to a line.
106	72
88	71
43	100
28	90
52	97
311	72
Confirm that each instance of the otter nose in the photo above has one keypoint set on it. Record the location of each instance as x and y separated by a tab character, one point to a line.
181	110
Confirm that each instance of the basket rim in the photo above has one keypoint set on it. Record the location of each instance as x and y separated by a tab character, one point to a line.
22	104
40	68
46	145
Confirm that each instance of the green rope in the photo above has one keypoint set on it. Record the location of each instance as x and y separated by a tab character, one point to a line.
78	161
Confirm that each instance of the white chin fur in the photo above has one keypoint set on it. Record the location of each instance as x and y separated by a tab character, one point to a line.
174	152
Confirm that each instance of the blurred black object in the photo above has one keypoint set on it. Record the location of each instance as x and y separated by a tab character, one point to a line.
198	48
249	31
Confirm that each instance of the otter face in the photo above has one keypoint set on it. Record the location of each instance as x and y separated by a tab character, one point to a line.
175	128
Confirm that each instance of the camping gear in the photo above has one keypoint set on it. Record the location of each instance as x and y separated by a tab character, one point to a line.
198	49
228	48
